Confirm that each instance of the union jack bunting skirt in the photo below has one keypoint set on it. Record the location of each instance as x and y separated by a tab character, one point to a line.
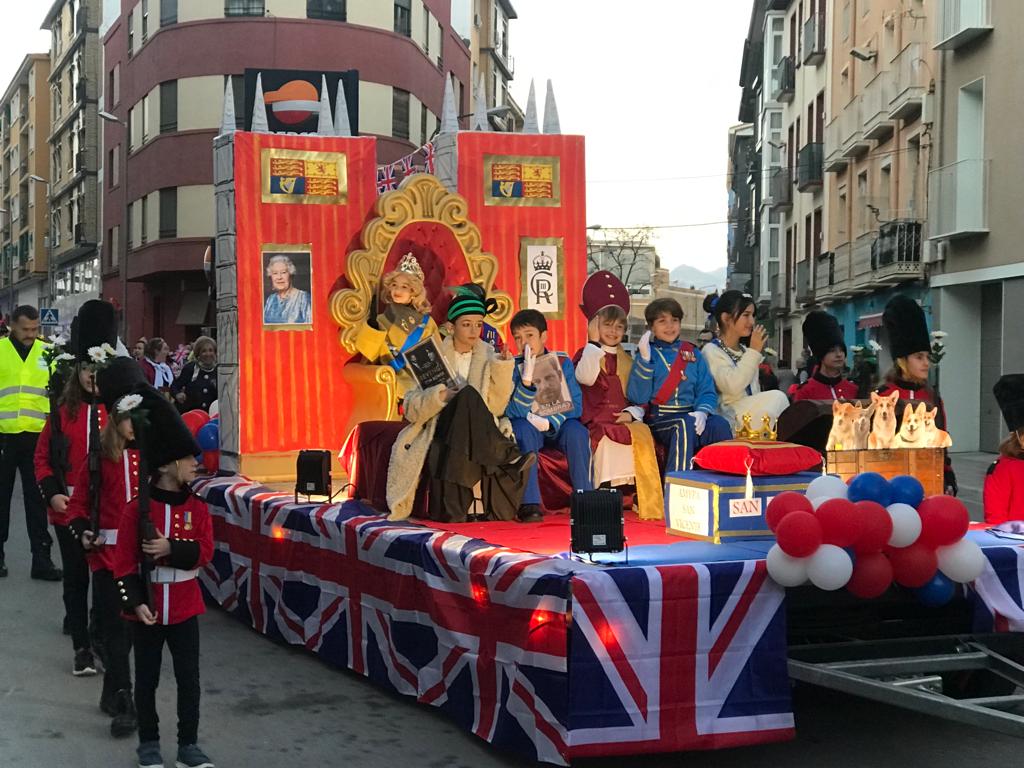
541	656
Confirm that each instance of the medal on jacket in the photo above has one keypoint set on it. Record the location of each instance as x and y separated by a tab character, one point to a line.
188	520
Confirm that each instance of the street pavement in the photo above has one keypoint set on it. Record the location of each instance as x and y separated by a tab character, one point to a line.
273	706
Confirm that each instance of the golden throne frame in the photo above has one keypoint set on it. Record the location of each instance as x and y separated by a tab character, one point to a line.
420	197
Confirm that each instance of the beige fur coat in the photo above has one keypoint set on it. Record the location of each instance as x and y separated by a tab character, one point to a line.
488	374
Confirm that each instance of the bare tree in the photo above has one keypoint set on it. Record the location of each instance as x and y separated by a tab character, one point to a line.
626	253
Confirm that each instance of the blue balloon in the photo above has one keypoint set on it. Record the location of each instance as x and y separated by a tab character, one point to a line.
937	592
208	436
870	486
906	490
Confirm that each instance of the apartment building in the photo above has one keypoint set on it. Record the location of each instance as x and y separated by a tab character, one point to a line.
24	177
974	221
484	27
158	213
74	88
740	246
877	143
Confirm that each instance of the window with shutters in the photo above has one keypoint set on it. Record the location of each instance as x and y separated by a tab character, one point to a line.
169	212
403	17
400	114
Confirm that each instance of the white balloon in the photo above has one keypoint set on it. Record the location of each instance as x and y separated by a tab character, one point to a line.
215	409
829	568
787	571
829	486
906	525
962	562
817	501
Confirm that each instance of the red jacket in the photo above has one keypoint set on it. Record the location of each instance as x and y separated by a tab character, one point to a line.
1004	491
924	393
185	520
119	484
822	387
77	433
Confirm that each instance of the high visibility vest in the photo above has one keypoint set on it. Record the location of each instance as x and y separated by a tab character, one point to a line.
24	404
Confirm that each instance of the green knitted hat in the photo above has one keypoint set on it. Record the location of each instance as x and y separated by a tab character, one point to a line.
467	301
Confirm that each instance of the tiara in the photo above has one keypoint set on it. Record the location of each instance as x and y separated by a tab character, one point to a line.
410	266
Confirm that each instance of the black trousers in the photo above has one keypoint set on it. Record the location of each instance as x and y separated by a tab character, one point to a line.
113	632
18	452
76	586
183	642
468	448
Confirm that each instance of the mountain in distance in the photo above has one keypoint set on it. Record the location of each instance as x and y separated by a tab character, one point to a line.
687	276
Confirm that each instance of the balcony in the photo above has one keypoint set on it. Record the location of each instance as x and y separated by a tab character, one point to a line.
851	130
897	256
961	21
804	288
958	199
784	80
780	189
842	269
909	84
779	292
809	175
823	275
835	160
814	39
877	125
862	262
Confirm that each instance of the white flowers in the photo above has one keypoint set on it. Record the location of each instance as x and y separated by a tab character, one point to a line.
875	346
939	334
101	353
128	403
856	349
769	352
65	356
60	340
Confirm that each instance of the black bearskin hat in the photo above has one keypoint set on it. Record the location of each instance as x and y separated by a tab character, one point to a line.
905	327
822	334
164	437
122	377
1009	392
94	325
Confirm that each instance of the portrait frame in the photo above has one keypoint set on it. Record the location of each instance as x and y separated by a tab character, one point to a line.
336	161
301	256
557	243
553	161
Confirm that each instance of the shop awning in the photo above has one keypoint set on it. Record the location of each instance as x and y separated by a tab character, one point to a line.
193	308
870	321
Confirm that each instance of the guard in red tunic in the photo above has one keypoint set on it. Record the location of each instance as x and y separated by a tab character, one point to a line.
622	444
164	538
825	340
910	347
1004	484
101	494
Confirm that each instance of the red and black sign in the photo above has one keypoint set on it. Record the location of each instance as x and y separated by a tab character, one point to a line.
292	97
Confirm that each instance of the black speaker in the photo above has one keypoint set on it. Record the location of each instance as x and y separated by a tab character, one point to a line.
313	473
596	522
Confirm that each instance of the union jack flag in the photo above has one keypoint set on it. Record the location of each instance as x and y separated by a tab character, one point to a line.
662	658
998	594
407	165
386	178
428	153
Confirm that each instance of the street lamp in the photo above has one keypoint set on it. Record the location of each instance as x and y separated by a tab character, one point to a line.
49	239
123	181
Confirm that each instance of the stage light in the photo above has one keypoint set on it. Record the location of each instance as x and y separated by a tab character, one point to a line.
277	532
313	474
596	522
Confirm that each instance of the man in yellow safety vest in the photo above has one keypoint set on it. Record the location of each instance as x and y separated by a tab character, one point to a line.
24	405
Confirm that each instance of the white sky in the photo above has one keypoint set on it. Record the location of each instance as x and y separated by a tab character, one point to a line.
652	84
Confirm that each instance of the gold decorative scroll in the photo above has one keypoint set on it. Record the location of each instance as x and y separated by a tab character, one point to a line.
420	197
522	181
307	178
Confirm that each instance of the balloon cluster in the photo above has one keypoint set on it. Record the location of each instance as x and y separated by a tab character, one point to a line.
205	428
869	534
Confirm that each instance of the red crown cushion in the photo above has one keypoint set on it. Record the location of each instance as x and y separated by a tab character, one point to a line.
765	457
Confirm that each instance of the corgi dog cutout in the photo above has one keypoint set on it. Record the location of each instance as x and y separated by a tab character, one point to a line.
843	435
883	426
911	434
862	426
933	436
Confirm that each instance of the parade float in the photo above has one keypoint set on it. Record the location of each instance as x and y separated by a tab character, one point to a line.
688	639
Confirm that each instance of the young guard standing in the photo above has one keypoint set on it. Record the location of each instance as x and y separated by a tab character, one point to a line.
1004	483
825	339
164	538
104	485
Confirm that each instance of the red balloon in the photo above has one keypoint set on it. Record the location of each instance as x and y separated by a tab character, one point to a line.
944	520
914	566
875	527
195	420
783	504
872	575
799	534
211	460
840	524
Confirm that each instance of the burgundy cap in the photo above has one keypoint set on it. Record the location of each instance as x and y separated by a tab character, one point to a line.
601	290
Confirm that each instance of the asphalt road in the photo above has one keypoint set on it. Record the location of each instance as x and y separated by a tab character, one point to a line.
272	706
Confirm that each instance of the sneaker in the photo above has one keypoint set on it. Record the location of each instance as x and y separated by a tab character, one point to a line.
530	513
85	665
124	722
191	756
44	569
149	755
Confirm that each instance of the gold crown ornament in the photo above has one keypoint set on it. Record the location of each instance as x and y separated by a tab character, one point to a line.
746	431
769	431
410	266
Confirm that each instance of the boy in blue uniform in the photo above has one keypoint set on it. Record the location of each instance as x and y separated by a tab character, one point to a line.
530	330
671	378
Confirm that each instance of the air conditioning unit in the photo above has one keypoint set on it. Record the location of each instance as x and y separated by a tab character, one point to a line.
928	109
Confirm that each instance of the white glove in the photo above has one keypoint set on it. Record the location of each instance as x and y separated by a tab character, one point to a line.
700	420
644	346
635	411
539	422
529	362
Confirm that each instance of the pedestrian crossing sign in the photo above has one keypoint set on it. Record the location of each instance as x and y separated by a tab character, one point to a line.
49	316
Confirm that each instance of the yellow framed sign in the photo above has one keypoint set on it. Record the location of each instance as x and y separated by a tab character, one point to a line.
307	178
523	181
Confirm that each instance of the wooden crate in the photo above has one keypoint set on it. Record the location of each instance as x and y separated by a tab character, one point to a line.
926	464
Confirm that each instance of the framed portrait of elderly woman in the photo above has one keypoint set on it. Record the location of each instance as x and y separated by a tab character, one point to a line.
287	287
